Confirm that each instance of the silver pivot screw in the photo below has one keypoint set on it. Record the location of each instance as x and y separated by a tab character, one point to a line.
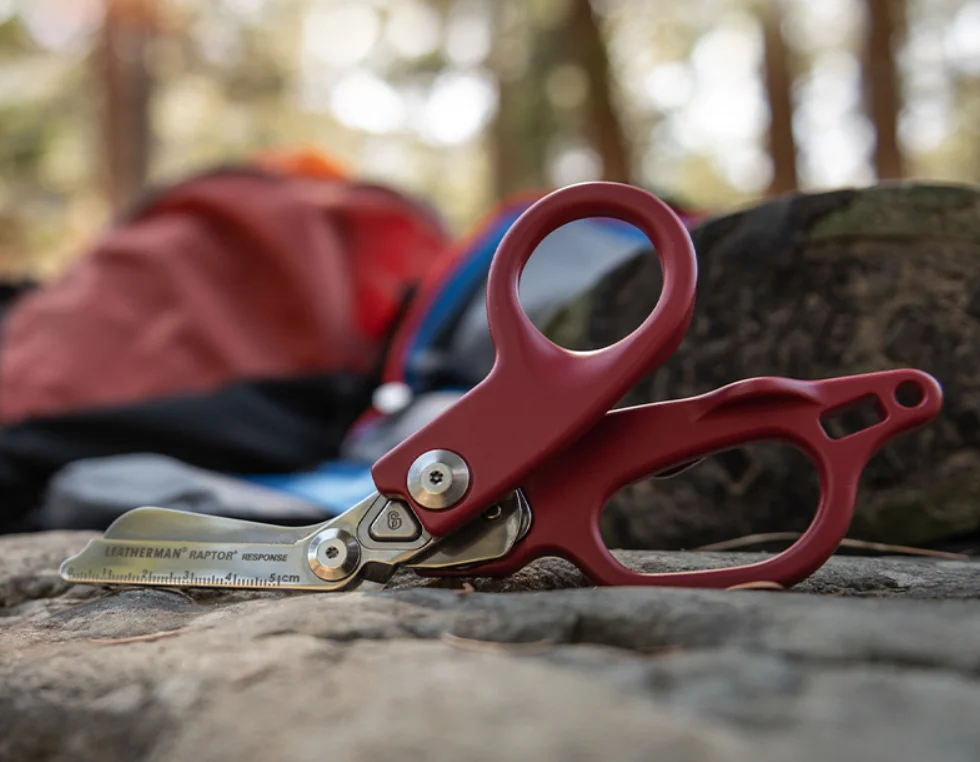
438	479
333	554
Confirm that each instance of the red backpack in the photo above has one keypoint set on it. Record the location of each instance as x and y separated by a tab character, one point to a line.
237	274
236	321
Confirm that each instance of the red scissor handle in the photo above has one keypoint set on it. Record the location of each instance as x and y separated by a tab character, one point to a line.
568	493
539	397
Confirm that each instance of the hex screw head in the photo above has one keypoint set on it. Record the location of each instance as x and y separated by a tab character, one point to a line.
438	479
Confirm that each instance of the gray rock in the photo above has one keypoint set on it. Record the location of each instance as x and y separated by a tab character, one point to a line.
862	672
813	286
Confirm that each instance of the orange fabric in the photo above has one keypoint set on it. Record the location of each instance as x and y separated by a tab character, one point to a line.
226	276
305	162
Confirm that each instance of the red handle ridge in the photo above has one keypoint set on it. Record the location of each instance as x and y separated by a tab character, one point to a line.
569	492
539	397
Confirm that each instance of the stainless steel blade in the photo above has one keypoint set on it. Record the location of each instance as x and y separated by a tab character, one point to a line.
151	523
488	538
193	564
159	546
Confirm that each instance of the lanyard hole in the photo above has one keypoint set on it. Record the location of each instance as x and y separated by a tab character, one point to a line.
909	394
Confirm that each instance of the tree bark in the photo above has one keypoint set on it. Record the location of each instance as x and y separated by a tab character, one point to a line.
526	123
779	84
882	88
121	61
603	124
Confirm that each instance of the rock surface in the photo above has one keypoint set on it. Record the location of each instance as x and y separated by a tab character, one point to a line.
878	667
814	286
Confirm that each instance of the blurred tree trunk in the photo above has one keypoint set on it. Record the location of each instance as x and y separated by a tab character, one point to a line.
779	88
886	21
604	128
122	68
527	123
510	165
524	123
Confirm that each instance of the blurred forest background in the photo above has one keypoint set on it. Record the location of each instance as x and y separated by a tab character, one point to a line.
713	103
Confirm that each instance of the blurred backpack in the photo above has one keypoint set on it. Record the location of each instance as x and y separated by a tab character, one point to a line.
236	320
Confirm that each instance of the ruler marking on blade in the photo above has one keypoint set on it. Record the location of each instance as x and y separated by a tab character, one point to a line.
179	563
211	581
